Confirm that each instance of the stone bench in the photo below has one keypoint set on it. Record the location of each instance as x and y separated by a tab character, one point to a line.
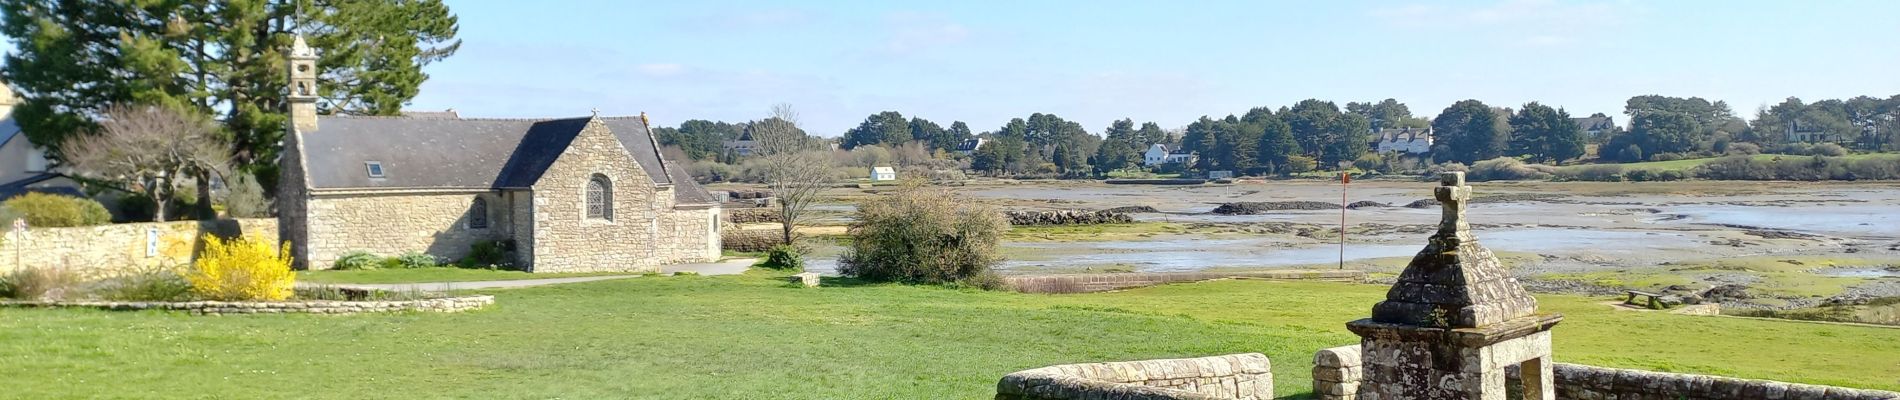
1655	299
1247	376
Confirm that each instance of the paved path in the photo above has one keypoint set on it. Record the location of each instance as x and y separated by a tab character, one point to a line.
726	267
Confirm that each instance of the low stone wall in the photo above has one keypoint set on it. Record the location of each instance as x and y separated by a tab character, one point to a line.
450	304
750	239
1246	376
1584	382
1086	283
753	215
1336	373
103	247
1067	217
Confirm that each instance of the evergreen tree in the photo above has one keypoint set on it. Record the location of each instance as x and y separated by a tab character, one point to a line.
1467	132
887	127
1276	145
1119	148
1545	134
220	58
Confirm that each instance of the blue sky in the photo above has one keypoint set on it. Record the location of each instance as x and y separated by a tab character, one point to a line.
984	62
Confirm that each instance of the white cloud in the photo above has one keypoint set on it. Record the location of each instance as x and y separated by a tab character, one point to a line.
661	69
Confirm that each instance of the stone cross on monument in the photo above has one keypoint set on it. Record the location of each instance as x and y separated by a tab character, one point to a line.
1454	321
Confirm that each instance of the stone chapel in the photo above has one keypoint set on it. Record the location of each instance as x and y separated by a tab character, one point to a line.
587	193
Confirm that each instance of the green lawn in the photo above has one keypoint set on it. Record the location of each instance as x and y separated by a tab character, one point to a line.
752	336
438	274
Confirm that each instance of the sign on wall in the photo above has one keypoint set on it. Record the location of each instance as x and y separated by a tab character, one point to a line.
151	242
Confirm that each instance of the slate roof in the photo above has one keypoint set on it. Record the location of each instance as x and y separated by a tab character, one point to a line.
1402	134
1596	123
9	190
449	113
8	130
971	144
455	153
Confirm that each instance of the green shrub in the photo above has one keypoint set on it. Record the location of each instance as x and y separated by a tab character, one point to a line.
244	198
1829	149
925	235
414	259
358	260
1647	175
137	208
785	257
146	284
1508	169
51	210
487	254
1593	173
1811	168
41	283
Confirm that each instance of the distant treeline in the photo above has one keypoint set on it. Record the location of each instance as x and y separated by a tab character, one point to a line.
1320	135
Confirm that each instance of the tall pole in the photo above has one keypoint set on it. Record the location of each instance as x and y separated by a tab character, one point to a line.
1345	179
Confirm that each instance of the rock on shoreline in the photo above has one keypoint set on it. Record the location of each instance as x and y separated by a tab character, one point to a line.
1262	207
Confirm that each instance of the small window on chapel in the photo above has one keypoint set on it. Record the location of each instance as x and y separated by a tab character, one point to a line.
600	198
375	168
478	214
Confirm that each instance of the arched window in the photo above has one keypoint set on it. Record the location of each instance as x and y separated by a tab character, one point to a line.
600	198
478	214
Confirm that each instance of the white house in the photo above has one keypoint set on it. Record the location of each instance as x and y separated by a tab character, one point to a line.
1403	140
1596	124
879	174
970	145
1158	154
744	147
23	166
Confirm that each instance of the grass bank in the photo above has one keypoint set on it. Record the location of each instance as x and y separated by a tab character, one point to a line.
751	336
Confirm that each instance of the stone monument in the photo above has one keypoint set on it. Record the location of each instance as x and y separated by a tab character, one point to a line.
1454	321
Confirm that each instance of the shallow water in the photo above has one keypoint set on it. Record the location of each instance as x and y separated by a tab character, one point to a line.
1876	220
1192	254
1859	272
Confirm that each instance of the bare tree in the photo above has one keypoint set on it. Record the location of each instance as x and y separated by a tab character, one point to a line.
795	169
153	148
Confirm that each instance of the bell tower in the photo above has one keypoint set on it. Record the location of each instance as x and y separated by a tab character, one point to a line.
303	86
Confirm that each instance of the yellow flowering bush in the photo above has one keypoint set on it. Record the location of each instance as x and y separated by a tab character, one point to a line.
241	269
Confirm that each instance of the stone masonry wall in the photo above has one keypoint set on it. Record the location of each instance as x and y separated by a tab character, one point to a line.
1336	373
393	223
1236	376
444	305
646	231
107	247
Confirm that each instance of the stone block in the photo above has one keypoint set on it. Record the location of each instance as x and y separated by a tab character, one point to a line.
807	279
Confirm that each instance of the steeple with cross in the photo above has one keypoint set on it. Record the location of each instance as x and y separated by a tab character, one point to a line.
1452	195
1454	320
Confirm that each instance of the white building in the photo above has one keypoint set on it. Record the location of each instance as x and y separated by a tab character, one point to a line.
23	166
1158	154
879	174
1403	140
970	145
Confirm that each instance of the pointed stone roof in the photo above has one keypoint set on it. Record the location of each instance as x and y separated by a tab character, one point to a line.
298	48
1454	282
